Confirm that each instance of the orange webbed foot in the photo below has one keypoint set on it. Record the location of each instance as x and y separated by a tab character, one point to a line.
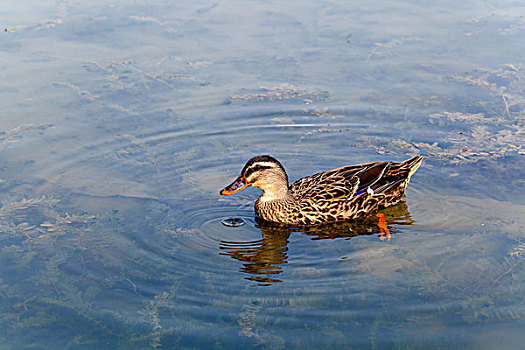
385	233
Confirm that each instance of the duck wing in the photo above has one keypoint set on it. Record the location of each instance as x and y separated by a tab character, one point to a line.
395	174
339	183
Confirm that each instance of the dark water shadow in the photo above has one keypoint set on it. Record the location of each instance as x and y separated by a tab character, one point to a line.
264	259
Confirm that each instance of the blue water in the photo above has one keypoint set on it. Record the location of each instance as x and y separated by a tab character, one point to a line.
122	121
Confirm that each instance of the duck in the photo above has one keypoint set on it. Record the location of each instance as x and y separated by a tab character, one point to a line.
345	193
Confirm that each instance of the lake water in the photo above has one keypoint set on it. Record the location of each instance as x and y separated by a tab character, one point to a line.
121	121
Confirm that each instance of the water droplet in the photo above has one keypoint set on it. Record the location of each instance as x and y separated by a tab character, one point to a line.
233	222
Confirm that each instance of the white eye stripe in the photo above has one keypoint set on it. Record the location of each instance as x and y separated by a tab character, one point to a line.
262	164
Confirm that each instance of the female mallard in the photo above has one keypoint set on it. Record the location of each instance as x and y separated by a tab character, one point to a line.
338	194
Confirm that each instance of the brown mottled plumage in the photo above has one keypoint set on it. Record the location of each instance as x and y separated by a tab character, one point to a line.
339	194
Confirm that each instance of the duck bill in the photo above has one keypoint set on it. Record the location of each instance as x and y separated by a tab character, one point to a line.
236	186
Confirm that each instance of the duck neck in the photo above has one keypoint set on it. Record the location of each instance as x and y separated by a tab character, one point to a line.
275	193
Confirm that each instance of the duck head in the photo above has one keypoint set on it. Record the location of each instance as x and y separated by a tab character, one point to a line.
264	172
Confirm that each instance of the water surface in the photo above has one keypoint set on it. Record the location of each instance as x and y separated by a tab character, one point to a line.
121	122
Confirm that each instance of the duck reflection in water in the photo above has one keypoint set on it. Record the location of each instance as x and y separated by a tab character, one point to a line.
263	260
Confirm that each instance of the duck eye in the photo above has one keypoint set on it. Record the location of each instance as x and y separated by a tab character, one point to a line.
258	168
255	169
